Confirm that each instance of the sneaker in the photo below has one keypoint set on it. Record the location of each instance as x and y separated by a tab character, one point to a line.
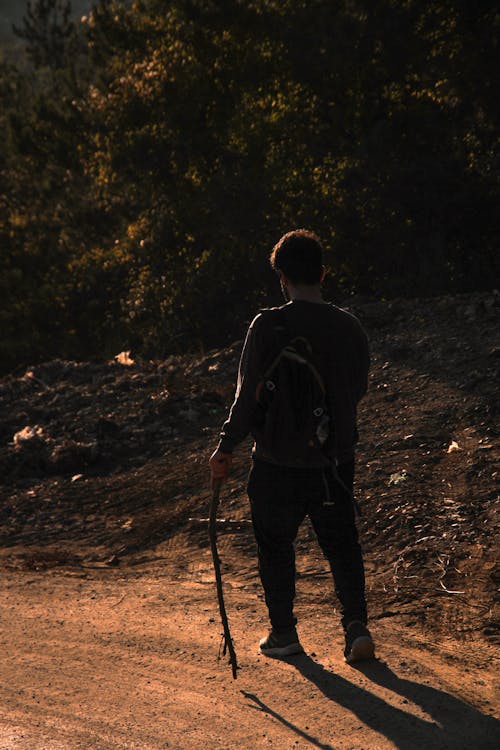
358	643
281	644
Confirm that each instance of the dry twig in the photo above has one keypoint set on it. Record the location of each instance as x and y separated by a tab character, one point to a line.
228	643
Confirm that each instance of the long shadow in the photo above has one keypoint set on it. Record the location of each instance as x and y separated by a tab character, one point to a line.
453	724
261	706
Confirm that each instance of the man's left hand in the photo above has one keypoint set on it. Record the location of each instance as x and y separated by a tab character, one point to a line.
220	466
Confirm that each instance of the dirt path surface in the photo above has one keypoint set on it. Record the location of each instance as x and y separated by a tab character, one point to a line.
130	661
112	661
109	627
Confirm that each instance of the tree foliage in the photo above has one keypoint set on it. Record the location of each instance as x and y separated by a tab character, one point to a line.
156	150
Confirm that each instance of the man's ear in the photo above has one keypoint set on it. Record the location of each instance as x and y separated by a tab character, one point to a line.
323	274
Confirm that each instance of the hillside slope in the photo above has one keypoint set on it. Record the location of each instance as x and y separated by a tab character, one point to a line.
106	462
110	628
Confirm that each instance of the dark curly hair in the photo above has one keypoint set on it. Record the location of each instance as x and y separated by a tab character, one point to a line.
299	255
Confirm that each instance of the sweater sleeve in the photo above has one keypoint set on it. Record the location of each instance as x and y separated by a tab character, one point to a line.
239	422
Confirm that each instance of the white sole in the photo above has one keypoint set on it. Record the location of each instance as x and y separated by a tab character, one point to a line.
362	648
277	651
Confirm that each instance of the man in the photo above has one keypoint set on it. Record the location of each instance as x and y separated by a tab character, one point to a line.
284	490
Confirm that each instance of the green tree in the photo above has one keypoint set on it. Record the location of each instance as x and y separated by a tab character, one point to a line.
150	164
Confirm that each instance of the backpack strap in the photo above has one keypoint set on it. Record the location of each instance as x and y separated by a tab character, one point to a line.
285	346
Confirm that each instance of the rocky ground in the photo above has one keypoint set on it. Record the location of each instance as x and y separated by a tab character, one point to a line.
104	488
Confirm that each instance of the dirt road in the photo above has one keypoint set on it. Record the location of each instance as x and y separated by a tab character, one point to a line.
116	659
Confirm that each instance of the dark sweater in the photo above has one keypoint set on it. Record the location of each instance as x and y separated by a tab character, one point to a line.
340	347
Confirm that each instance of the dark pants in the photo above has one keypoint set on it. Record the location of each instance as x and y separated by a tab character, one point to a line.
280	500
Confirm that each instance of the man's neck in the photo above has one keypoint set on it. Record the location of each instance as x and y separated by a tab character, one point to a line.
305	293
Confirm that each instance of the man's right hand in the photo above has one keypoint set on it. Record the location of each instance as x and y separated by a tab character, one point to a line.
220	466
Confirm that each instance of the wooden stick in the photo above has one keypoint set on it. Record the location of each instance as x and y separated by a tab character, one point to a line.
228	643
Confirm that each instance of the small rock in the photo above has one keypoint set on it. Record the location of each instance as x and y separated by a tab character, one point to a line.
398	477
124	358
29	437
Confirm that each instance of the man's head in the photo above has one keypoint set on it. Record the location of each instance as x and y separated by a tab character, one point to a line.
298	256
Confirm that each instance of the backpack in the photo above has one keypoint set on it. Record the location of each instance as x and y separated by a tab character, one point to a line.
293	419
